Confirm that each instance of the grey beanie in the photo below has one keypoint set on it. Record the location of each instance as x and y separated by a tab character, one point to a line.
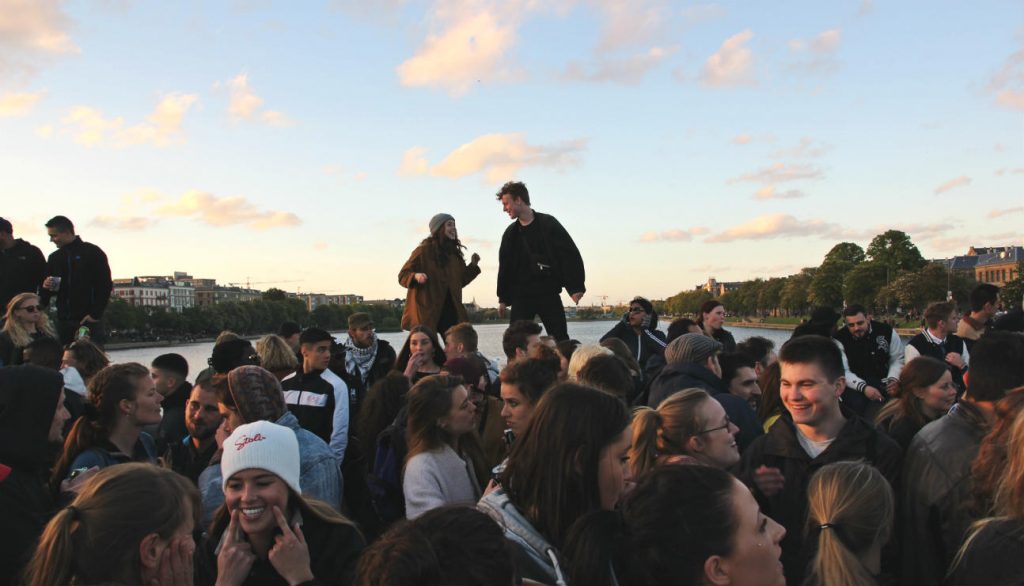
438	220
693	348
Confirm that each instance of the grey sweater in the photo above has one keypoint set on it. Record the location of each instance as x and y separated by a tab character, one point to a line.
437	478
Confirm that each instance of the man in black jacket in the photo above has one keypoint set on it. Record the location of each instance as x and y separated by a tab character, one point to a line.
536	260
169	372
364	358
814	430
84	285
875	353
32	417
22	266
317	396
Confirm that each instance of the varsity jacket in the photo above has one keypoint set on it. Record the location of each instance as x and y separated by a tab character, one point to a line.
875	359
320	401
925	344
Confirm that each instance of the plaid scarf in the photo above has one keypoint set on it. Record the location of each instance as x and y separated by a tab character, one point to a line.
360	360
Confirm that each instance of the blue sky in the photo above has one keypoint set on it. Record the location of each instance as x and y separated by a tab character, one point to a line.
307	144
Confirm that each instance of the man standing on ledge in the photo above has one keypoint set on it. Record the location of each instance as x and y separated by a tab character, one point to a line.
536	260
79	276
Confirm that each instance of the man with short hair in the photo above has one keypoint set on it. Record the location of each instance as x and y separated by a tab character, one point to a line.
813	430
364	357
693	363
79	276
537	259
984	305
169	372
318	397
22	266
937	470
289	331
740	377
761	349
461	341
874	352
939	341
517	339
190	455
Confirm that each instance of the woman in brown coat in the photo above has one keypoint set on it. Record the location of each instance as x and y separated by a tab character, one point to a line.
435	274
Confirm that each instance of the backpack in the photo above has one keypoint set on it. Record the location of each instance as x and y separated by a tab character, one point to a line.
385	477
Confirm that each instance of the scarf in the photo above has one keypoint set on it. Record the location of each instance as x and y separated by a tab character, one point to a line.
360	360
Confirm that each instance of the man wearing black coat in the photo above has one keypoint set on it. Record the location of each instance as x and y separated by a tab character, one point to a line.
22	266
84	288
537	259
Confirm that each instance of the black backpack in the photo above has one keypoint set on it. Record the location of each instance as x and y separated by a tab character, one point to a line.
385	477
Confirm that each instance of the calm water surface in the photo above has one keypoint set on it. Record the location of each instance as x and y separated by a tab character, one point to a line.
588	332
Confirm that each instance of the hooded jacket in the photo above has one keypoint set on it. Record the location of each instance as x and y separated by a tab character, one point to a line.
780	448
535	558
85	280
424	302
22	270
649	342
28	402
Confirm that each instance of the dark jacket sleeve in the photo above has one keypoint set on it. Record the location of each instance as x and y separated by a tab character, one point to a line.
570	262
751	459
506	266
54	267
469	272
102	284
922	509
616	332
36	269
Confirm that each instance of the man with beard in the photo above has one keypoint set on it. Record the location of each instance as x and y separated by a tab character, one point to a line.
875	354
366	358
32	417
191	455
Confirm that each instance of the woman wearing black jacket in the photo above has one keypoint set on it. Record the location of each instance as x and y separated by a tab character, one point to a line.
638	328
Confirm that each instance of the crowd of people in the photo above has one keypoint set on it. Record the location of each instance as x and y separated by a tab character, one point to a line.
843	457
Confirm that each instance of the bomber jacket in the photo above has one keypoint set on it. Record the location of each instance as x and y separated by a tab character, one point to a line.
85	285
320	400
545	239
874	359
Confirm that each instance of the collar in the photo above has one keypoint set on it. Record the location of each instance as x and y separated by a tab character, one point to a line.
931	338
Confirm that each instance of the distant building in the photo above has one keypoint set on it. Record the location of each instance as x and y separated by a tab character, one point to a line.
988	264
150	291
314	300
717	288
388	302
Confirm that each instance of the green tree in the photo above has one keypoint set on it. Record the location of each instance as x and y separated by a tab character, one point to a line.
863	282
1012	293
795	298
895	251
847	252
274	294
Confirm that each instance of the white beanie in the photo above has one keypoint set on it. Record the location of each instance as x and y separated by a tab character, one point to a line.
264	445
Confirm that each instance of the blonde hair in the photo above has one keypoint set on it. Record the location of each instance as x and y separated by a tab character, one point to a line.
276	354
850	509
581	356
19	335
663	432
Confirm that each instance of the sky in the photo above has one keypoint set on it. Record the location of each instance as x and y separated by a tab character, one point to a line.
306	145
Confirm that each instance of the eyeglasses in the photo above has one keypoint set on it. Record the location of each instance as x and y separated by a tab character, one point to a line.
31	308
636	310
728	422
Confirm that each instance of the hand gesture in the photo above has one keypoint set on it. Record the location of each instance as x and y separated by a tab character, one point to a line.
955	359
769	481
474	259
236	557
893	387
420	278
176	563
290	554
873	394
501	310
576	297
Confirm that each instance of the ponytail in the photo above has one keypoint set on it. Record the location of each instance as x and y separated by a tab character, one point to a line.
52	564
593	546
643	454
835	564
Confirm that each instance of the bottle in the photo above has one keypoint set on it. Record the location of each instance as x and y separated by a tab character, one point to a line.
83	332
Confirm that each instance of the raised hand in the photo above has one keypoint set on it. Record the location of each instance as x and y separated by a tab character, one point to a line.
769	481
176	563
236	557
290	554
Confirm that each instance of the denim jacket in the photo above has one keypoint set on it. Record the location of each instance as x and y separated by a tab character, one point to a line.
319	473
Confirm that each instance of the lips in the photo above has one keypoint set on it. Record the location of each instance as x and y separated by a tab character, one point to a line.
252	513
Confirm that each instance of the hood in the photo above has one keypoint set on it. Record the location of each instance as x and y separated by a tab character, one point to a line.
690	370
28	400
257	394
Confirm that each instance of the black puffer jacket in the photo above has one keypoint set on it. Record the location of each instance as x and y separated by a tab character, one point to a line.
649	342
85	280
28	401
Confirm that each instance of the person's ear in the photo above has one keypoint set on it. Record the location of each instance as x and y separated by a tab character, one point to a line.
151	549
716	571
840	385
125	406
695	444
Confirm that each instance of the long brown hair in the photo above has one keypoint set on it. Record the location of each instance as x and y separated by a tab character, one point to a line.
850	509
663	432
429	401
90	358
404	354
920	373
444	246
113	384
993	462
97	538
552	471
770	383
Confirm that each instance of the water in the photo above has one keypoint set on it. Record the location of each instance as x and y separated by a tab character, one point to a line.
588	332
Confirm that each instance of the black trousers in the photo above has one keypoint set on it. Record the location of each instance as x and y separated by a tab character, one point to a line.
548	307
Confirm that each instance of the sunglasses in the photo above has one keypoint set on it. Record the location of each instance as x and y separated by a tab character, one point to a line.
636	310
31	308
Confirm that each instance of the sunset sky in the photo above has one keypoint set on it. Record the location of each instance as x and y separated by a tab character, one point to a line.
305	145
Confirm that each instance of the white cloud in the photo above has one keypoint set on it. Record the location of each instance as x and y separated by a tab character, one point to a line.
742	139
32	31
414	162
1007	85
128	224
961	181
732	65
1014	171
1005	212
774	226
226	211
163	127
770	192
46	131
630	70
500	157
807	148
631	22
780	173
674	235
244	104
471	44
819	53
14	104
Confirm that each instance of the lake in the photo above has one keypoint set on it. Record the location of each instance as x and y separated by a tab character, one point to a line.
588	332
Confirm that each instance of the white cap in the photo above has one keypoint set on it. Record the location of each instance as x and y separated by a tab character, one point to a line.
263	445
